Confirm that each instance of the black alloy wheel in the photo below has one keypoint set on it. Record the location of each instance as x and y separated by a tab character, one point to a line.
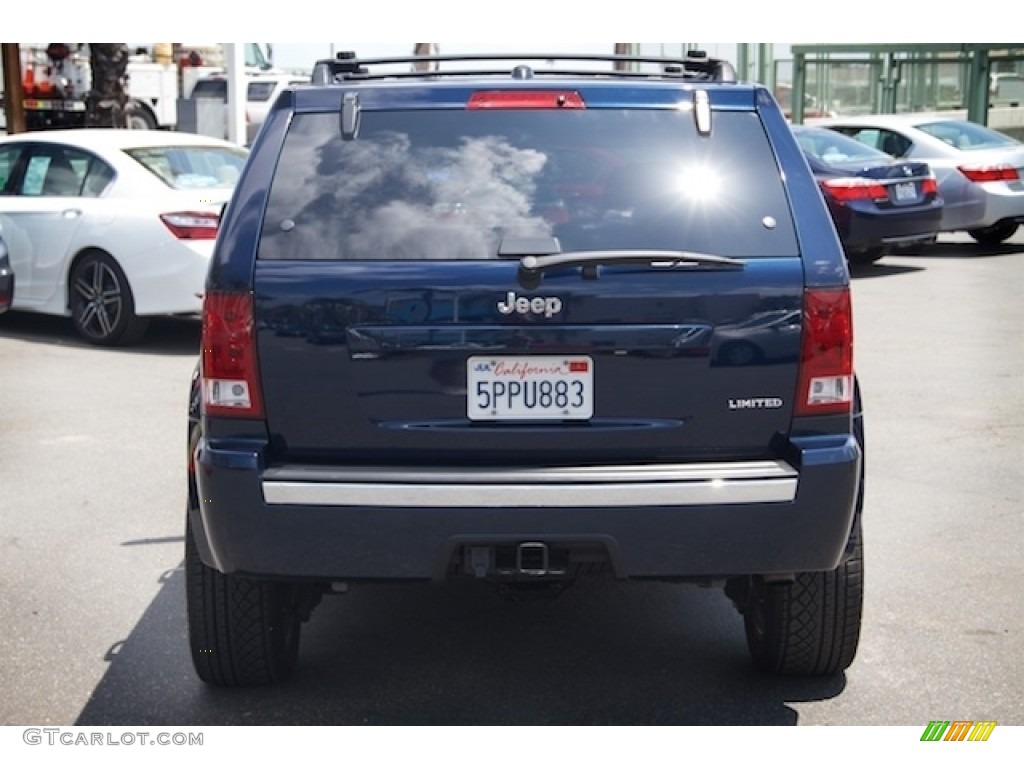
102	306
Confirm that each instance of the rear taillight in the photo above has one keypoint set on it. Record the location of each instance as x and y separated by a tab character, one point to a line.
230	376
525	100
844	190
929	186
192	225
826	355
1000	172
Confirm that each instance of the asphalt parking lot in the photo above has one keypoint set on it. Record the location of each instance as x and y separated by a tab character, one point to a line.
92	496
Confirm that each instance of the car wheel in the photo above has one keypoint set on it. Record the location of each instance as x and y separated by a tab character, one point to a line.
139	117
102	306
242	632
867	256
995	234
810	626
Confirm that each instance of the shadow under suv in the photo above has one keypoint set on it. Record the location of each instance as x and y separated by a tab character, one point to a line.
472	323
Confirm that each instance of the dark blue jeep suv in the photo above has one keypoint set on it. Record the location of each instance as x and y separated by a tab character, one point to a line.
525	323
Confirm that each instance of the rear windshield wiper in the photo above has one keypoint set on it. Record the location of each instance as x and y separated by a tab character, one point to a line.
532	267
539	253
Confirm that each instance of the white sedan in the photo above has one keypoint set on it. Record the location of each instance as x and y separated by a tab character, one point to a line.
980	172
110	227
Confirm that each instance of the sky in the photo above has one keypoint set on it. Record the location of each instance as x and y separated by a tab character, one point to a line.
548	23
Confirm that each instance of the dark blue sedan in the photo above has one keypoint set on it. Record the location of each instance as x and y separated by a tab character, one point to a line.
876	202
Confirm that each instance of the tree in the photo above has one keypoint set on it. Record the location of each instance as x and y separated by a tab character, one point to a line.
106	105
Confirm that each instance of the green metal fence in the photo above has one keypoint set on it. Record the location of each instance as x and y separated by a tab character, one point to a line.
984	81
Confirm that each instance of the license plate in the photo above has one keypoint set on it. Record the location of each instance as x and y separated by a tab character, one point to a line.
905	192
529	387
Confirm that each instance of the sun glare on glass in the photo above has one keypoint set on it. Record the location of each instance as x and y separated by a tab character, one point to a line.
698	183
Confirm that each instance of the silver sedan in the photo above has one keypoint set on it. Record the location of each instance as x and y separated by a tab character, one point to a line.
980	172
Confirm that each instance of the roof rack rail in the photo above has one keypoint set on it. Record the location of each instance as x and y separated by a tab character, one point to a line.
695	65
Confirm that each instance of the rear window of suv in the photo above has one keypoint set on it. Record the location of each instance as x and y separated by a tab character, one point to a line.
450	184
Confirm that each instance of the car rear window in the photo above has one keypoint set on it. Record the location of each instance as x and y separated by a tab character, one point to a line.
450	184
187	167
260	91
211	89
966	135
833	147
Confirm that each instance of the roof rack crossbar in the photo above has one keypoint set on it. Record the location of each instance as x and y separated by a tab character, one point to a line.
696	65
537	72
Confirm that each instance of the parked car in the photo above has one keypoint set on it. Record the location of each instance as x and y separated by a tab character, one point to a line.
6	277
979	171
261	91
429	354
876	202
1006	90
111	227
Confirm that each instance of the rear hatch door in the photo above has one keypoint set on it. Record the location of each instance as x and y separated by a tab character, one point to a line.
421	297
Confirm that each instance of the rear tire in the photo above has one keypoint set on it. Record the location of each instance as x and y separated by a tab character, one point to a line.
140	117
242	632
102	305
811	626
995	234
